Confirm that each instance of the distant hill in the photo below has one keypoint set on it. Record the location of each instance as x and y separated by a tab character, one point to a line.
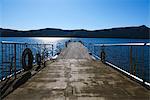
141	32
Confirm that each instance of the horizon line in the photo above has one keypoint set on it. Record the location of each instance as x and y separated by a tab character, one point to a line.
74	29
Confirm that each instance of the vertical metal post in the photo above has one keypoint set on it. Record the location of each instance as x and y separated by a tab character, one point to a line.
10	59
136	61
93	49
20	55
44	51
2	69
143	65
52	50
131	59
102	54
15	60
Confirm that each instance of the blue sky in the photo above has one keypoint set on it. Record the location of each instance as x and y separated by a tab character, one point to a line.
73	14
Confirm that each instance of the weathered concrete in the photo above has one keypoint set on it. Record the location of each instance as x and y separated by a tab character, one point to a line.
74	51
74	76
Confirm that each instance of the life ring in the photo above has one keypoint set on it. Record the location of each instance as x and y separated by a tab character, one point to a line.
27	66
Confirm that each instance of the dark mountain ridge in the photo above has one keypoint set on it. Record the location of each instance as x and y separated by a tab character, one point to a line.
139	32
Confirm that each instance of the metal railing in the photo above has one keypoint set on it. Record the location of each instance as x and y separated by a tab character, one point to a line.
131	58
11	56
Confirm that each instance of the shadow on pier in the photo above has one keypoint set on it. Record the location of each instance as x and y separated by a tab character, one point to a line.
76	76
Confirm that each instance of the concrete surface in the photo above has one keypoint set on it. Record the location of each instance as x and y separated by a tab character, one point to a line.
75	76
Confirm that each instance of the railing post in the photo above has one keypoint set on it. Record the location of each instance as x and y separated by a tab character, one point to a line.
15	59
2	69
11	65
52	50
102	54
143	64
130	59
136	62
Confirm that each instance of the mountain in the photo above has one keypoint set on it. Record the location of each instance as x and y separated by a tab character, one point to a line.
140	32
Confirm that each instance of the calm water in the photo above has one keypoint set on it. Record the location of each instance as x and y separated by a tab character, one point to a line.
122	53
86	40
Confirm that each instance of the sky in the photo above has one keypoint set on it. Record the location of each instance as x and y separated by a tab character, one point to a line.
73	14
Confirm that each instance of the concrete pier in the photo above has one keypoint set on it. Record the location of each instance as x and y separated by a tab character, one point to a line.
75	76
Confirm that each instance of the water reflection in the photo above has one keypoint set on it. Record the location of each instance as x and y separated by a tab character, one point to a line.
48	39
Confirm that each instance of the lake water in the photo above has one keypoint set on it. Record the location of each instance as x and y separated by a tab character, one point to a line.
117	55
86	40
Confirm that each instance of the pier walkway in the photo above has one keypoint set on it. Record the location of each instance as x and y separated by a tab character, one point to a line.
75	76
